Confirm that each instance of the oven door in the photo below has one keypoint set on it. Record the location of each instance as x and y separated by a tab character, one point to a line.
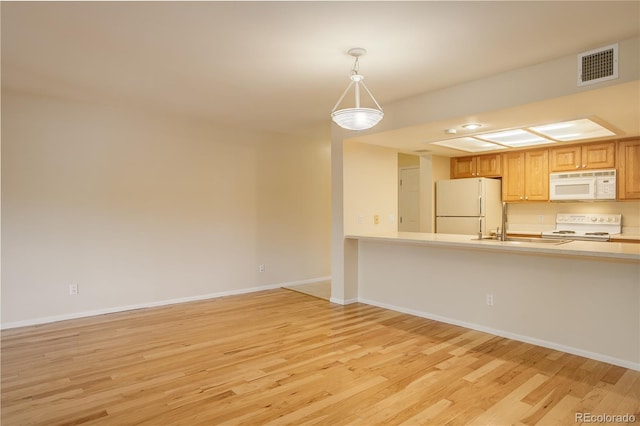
583	188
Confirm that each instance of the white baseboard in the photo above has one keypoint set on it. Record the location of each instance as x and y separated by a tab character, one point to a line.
513	336
343	301
75	315
309	281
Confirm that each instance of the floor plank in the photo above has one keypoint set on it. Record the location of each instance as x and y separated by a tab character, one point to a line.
321	289
280	357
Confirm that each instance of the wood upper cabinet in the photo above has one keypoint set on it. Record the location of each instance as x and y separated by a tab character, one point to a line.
478	166
628	177
463	167
582	157
489	165
525	176
513	176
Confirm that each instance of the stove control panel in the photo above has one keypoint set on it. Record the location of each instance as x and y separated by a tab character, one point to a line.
594	218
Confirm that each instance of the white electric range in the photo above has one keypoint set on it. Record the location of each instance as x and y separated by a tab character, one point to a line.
585	227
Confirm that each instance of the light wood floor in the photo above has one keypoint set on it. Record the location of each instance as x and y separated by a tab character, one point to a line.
321	289
280	357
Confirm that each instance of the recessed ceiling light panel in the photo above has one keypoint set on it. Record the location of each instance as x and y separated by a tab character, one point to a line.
573	130
469	145
515	138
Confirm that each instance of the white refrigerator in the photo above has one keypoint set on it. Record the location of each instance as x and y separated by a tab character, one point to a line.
468	206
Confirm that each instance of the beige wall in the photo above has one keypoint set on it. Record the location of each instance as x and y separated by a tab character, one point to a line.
139	209
370	188
408	160
432	169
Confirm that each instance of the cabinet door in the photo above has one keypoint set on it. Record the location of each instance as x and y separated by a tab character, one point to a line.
513	176
565	158
488	165
629	170
536	178
598	156
463	167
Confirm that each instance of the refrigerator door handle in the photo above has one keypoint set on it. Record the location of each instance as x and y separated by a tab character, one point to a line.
480	212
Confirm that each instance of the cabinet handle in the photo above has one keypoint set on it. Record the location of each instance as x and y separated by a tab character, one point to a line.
521	198
577	166
526	198
584	165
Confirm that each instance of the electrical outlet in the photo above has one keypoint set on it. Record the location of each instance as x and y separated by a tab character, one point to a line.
376	219
490	299
540	218
261	268
73	289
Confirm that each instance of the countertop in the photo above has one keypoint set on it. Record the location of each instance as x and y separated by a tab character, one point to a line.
631	238
613	251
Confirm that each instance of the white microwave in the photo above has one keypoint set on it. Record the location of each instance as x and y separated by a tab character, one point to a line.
587	185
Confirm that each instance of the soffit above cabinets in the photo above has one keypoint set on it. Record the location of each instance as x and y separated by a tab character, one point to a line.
615	107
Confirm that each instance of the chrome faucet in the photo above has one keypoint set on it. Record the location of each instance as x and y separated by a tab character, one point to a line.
503	236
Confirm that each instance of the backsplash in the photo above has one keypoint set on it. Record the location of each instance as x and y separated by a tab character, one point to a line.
533	218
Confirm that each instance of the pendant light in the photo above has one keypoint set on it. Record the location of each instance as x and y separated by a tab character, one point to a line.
357	118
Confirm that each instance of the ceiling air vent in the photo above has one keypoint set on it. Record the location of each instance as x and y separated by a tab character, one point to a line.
598	65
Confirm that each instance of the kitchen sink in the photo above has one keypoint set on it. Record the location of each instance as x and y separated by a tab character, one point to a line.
526	240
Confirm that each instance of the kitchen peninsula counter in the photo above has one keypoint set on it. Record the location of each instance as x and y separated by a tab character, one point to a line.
578	297
614	251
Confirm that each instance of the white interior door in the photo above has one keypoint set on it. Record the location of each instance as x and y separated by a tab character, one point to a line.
409	199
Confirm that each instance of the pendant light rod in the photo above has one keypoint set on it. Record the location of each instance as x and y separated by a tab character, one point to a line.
371	95
343	95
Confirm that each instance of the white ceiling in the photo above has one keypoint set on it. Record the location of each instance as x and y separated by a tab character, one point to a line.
282	65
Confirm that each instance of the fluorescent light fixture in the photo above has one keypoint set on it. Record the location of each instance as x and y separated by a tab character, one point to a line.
573	130
514	138
552	127
469	145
